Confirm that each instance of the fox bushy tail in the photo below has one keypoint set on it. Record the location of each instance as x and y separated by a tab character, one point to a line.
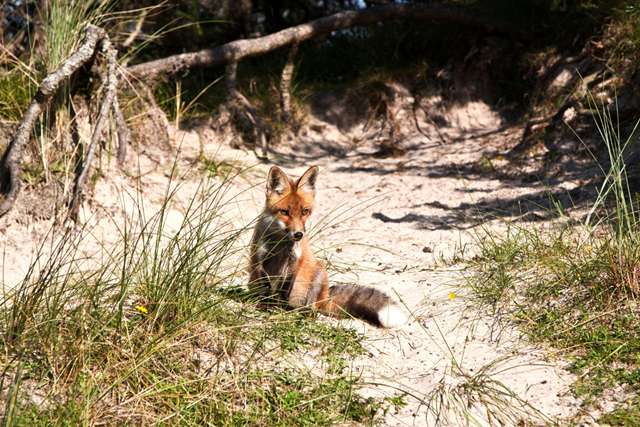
366	303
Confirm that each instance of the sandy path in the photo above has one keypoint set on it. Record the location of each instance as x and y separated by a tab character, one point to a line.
400	223
447	343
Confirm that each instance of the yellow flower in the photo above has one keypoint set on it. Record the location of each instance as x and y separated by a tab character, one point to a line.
499	158
452	295
588	249
141	308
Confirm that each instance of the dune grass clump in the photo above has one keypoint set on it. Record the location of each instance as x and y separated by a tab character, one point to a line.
156	330
575	284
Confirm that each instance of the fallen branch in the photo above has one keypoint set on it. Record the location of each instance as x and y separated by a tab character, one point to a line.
239	49
12	159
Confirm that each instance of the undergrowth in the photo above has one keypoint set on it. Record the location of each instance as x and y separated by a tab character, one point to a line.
575	284
157	331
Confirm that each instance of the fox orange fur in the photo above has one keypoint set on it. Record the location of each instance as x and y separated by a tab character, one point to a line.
285	268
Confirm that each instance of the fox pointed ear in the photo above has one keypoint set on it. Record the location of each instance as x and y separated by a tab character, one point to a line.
277	182
307	181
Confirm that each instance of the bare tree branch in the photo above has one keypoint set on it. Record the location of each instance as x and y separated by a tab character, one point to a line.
11	161
239	49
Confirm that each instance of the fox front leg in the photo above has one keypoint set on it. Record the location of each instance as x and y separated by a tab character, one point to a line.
304	294
259	283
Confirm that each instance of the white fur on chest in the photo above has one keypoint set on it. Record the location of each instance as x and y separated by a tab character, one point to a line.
296	250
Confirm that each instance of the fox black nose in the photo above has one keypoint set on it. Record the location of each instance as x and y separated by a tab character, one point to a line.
298	235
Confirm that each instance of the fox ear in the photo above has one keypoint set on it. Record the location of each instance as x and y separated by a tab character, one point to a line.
277	182
307	181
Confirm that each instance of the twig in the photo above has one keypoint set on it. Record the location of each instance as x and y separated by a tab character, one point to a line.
415	119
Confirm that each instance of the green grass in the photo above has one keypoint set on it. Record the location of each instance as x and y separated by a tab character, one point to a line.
575	284
156	330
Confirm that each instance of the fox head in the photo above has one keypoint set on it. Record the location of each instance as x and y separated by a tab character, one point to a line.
290	202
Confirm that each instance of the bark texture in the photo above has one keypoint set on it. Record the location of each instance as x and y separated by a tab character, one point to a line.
236	50
12	159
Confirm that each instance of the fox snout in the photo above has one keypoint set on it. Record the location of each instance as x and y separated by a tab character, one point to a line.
294	232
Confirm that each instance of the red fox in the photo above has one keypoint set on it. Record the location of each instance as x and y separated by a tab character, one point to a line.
285	268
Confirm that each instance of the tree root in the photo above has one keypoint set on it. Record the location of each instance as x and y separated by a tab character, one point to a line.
12	158
109	97
235	99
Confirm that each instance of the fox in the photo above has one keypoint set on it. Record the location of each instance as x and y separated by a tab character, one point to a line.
283	265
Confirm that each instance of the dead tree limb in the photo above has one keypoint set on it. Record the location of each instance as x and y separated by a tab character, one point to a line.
110	91
285	84
235	98
239	49
12	159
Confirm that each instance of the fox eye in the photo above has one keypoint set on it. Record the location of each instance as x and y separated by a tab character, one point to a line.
305	212
284	212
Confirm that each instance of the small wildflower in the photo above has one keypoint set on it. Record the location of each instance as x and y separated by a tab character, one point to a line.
452	295
589	249
142	309
499	158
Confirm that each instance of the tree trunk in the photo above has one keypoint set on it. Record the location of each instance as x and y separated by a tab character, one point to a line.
285	84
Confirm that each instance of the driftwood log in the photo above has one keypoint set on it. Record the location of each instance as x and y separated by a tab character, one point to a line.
12	159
